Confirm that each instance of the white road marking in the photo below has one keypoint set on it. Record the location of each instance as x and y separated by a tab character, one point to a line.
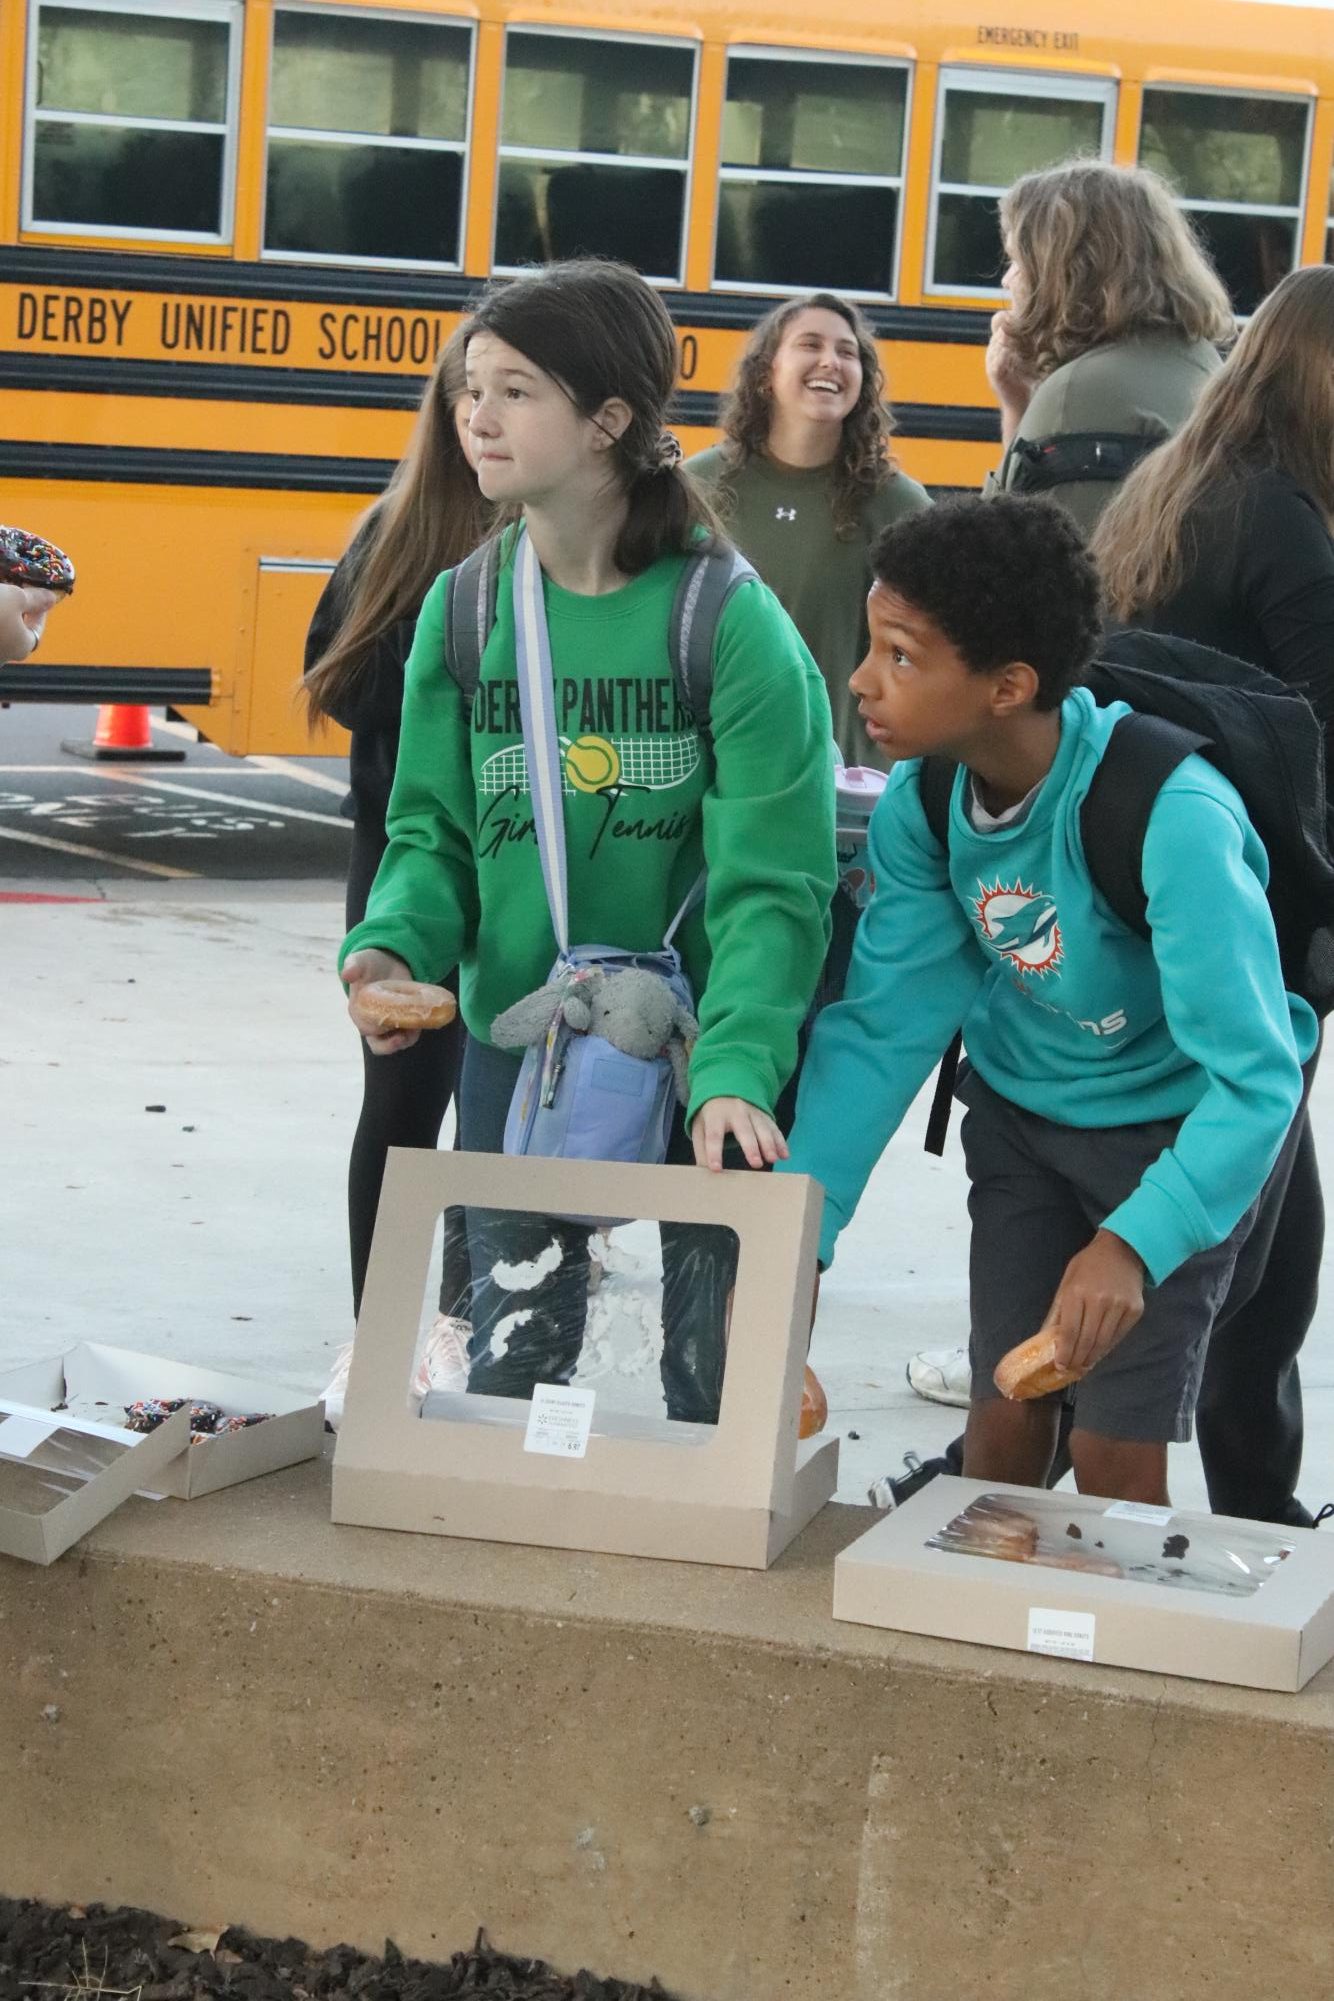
121	777
96	854
284	767
99	771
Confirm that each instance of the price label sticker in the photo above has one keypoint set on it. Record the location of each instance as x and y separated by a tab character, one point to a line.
560	1418
1138	1511
1067	1634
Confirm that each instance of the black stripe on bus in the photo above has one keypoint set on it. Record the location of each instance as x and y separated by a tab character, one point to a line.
339	389
134	465
955	422
417	291
48	681
211	382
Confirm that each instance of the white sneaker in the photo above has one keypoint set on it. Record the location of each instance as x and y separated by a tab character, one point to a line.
443	1363
942	1375
334	1394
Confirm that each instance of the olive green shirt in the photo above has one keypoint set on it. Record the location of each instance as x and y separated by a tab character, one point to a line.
781	517
1145	387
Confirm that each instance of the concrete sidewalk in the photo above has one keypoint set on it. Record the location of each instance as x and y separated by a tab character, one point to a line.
215	1228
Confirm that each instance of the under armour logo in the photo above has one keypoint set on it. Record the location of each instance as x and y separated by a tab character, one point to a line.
785	514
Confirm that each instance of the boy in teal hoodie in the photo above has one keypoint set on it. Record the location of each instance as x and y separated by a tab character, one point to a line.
1127	1099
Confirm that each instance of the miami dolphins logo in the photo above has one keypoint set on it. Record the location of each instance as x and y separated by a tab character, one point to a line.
1020	924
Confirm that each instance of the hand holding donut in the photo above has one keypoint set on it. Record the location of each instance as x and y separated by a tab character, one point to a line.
387	1005
1100	1298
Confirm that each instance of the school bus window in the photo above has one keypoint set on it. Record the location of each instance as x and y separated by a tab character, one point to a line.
1237	164
595	146
812	173
367	138
991	130
131	115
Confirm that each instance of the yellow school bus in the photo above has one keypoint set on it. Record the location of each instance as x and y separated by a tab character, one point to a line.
234	234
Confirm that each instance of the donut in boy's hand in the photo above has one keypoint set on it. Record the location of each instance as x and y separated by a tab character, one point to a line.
1031	1369
388	1007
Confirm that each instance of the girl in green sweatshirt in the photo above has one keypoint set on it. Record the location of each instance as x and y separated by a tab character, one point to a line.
570	372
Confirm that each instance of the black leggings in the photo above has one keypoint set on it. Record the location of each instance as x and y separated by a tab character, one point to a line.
404	1101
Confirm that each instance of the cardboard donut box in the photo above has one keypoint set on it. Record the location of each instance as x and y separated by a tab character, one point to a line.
1118	1583
99	1381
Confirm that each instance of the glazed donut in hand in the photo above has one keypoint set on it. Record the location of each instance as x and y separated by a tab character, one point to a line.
1031	1369
389	1007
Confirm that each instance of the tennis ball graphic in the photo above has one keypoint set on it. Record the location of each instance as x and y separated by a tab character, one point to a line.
592	764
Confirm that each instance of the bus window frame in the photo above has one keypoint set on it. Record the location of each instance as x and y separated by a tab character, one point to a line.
1074	86
558	31
464	147
795	177
232	14
1297	216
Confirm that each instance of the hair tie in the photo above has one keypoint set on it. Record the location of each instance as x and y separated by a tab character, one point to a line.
667	452
27	559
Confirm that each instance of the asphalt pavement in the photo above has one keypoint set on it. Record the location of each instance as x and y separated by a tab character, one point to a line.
210	818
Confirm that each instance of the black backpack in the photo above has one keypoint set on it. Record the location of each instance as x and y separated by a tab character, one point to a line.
712	574
1261	734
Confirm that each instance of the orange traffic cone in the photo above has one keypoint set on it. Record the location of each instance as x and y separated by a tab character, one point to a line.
123	736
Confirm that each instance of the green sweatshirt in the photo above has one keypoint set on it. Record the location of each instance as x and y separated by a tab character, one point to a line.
782	518
646	806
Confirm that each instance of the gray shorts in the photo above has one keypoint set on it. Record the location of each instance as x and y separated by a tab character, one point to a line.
1038	1193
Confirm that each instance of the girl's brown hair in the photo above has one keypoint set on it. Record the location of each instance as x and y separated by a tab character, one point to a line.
600	331
864	462
1270	407
429	517
1104	253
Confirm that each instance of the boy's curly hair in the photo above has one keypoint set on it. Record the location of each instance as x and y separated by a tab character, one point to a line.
1004	579
864	460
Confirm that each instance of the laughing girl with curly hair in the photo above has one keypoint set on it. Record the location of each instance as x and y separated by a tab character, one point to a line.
805	481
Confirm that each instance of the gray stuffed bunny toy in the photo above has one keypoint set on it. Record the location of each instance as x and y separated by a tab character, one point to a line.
634	1010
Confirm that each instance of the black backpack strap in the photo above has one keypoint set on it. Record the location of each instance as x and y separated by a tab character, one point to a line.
935	785
1141	755
470	613
709	580
1038	464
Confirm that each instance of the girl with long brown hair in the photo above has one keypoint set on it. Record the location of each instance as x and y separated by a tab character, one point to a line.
1223	536
805	480
570	372
1112	332
429	517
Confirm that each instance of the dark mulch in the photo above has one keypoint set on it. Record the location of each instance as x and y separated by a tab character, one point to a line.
47	1953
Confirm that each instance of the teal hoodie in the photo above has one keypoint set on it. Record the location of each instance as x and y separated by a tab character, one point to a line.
1064	1011
647	804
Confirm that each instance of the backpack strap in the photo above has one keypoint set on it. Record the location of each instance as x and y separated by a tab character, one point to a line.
1038	464
470	614
1141	755
935	785
708	582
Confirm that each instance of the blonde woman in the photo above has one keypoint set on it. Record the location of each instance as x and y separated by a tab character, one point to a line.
1113	330
1112	334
